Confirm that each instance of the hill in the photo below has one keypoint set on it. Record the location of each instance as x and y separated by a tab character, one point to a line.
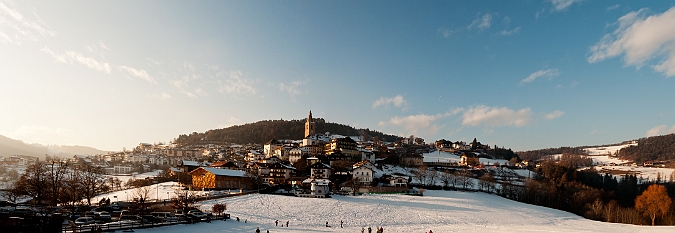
659	148
263	131
9	146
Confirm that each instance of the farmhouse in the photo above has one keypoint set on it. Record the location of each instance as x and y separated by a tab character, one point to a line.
217	178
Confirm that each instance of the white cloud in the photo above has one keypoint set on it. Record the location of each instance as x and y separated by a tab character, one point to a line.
445	32
492	116
71	56
103	45
138	73
397	101
614	7
660	130
292	88
508	33
161	96
200	91
562	5
481	23
89	61
4	38
235	83
640	39
39	134
21	24
555	114
59	58
541	73
419	124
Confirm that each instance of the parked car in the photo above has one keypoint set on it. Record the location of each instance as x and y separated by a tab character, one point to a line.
104	216
166	216
151	219
197	213
84	220
134	218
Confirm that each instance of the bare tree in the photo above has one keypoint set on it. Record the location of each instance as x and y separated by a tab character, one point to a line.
92	180
432	176
184	200
141	195
354	184
33	182
56	172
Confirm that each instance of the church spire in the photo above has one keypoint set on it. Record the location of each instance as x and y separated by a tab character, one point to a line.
309	125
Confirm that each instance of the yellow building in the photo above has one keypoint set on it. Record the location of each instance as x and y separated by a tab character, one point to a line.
217	178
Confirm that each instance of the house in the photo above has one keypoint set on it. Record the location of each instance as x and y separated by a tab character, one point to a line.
225	164
363	171
217	178
280	173
469	159
122	170
345	146
271	146
314	188
398	181
320	170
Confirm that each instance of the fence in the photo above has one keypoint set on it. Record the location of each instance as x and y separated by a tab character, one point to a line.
130	225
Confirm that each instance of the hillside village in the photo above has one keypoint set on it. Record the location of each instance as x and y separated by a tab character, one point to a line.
318	164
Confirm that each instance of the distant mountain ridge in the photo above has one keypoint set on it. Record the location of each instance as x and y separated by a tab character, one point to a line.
263	131
9	147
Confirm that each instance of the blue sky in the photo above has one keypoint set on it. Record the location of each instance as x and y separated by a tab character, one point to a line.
519	74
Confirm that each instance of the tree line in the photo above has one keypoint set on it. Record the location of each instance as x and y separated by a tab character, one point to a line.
660	148
60	183
264	131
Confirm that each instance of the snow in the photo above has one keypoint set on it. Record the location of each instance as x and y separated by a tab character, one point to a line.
440	211
601	158
442	156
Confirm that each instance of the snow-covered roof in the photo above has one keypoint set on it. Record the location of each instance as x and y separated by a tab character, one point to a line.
317	181
190	163
224	172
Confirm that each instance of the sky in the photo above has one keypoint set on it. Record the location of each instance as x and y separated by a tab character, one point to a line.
519	74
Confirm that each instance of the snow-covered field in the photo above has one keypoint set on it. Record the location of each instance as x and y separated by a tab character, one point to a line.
440	211
601	158
441	156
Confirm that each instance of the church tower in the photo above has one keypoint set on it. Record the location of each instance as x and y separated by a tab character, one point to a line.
309	125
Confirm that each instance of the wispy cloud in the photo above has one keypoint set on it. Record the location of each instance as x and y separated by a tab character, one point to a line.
419	124
70	56
236	84
492	116
562	5
161	96
555	114
550	73
24	27
39	134
89	61
139	73
482	23
59	57
103	46
445	32
397	101
508	33
640	39
660	130
613	7
292	88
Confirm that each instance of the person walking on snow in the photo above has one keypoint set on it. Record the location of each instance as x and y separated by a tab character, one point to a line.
431	231
276	222
286	223
257	230
341	223
362	229
370	230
